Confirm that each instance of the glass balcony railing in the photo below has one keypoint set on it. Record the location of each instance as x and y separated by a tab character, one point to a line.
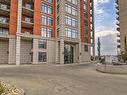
27	20
28	6
4	31
4	7
4	20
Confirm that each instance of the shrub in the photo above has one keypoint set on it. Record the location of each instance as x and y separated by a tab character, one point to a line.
1	88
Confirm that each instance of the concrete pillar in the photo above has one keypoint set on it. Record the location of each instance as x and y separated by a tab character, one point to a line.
35	51
18	39
57	51
18	45
61	51
80	52
12	51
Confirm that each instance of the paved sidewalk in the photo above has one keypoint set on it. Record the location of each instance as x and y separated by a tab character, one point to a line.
80	79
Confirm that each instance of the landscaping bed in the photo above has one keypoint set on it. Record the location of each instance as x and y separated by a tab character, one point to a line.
7	89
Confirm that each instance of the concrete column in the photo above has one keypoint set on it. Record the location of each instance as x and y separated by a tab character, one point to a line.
57	51
80	52
79	34
18	45
35	51
18	40
61	51
12	51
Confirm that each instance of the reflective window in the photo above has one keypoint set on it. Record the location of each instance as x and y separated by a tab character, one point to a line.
43	32
42	56
43	20
49	21
49	32
71	33
46	9
42	44
71	21
73	1
71	10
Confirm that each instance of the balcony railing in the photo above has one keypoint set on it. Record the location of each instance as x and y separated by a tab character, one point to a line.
27	22
4	7
28	10
4	31
4	20
5	2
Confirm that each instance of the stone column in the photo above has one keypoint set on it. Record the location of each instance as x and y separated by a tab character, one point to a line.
35	51
61	51
62	30
18	39
12	51
79	34
57	51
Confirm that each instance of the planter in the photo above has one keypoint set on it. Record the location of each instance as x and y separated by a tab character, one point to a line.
114	69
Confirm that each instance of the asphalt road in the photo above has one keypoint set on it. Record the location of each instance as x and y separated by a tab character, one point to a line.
64	80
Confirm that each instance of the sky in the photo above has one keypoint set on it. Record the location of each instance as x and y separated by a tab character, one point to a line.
105	26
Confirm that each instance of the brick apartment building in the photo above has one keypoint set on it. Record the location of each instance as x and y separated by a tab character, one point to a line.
121	11
46	31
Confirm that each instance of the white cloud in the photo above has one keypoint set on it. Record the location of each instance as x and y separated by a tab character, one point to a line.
98	9
108	42
106	32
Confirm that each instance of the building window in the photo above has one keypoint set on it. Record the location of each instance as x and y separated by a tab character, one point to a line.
28	6
42	56
49	10
3	31
71	33
73	1
46	9
43	32
46	32
71	10
49	1
43	8
71	21
50	21
43	20
49	33
42	44
86	48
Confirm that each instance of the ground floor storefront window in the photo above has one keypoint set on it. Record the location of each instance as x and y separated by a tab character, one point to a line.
42	57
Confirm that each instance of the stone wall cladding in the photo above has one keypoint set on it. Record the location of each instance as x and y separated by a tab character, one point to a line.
4	51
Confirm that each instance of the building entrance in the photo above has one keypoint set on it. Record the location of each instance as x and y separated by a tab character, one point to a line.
68	54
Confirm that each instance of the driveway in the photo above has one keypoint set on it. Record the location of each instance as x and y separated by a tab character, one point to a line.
64	80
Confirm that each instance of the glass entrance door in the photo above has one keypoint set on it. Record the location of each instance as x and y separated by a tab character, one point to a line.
68	54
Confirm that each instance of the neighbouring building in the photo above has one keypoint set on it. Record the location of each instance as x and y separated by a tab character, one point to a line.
46	31
121	11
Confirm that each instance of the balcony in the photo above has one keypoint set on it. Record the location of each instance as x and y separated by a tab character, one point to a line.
118	35
118	40
117	12
118	46
4	10
117	18
118	29
5	2
4	33
4	22
28	10
27	22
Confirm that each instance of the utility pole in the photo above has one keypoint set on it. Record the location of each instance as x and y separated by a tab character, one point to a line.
99	48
